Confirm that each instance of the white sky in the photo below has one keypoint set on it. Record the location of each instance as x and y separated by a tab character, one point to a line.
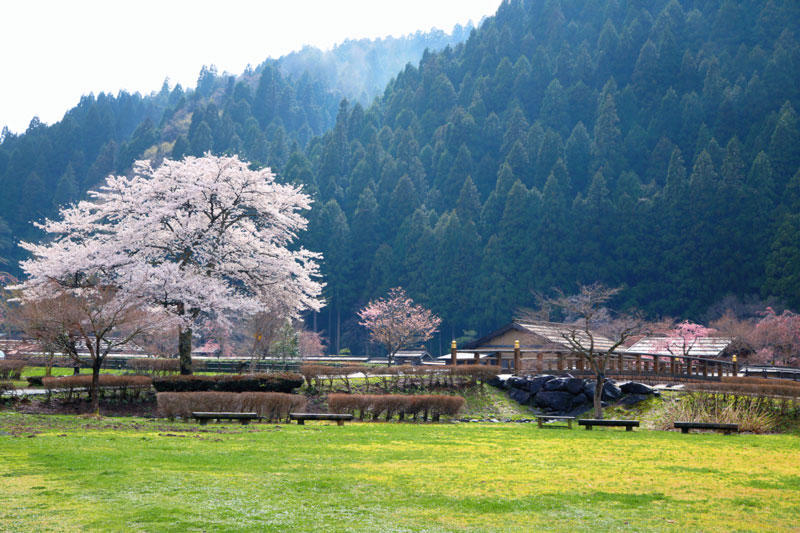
53	52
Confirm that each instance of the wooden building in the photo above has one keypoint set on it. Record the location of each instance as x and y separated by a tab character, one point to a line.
536	341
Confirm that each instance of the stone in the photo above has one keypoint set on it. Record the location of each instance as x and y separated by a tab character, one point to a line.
557	384
632	399
632	387
574	385
611	392
579	399
516	382
500	383
536	383
558	401
520	396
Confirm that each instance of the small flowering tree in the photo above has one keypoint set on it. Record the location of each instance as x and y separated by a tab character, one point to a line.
683	337
311	343
205	239
778	337
396	322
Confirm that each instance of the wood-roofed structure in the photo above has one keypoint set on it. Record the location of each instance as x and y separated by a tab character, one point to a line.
544	347
534	340
708	347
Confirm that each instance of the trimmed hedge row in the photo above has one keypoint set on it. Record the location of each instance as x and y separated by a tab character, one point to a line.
401	405
124	384
279	382
270	405
155	366
11	368
403	376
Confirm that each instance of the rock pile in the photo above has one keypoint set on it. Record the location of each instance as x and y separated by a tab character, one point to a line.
567	394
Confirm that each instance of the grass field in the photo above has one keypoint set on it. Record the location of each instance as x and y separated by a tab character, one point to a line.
71	473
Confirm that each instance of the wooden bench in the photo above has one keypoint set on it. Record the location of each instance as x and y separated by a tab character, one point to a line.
727	428
544	418
338	417
204	417
589	422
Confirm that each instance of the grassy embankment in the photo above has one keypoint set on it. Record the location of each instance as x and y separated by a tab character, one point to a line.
137	474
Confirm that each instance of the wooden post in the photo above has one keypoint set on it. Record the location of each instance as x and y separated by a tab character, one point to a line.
705	369
688	366
672	365
580	361
517	357
655	364
453	353
477	358
638	364
539	363
560	362
620	363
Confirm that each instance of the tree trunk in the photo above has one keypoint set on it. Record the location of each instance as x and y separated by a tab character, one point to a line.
598	396
94	390
185	350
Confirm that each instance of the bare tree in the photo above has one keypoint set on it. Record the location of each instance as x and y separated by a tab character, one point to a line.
587	318
263	327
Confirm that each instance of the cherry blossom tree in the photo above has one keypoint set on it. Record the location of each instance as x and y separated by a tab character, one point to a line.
396	322
311	343
778	337
680	339
204	238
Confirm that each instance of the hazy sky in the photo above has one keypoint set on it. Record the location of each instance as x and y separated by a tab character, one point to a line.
56	51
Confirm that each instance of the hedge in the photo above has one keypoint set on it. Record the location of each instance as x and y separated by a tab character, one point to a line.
11	369
404	376
396	404
122	384
269	405
277	382
155	366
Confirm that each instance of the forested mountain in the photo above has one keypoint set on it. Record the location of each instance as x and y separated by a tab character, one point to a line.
361	68
653	145
262	114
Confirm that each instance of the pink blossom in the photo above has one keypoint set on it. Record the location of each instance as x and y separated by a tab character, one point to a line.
396	322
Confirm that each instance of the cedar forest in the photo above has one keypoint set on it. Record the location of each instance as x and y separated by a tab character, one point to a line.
649	145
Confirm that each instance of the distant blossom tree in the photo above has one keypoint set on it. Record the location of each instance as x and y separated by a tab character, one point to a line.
396	322
683	337
205	238
778	337
311	343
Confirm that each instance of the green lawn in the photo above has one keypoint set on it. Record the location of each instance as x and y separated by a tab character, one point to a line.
151	475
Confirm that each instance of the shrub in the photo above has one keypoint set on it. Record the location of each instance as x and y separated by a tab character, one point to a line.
123	384
401	405
155	366
6	386
748	385
11	368
404	376
269	405
278	382
751	414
